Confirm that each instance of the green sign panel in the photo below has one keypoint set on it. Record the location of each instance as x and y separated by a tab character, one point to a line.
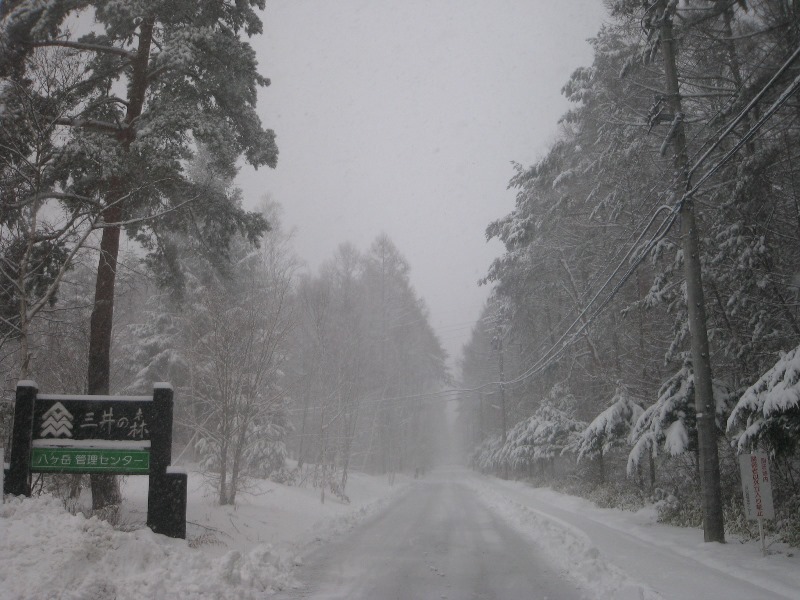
90	460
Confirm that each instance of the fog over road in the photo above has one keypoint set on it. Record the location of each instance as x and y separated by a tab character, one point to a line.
437	540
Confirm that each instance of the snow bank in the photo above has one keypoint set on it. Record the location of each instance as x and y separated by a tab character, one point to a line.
48	553
236	553
568	547
619	554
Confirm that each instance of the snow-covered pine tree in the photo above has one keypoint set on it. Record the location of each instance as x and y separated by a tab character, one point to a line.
551	431
669	423
610	428
188	76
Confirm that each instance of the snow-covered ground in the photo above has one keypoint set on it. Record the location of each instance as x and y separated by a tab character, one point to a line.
236	552
253	549
625	555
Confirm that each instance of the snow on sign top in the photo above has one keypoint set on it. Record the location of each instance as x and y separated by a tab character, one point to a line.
94	398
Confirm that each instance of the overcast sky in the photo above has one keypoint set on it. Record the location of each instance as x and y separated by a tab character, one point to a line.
403	117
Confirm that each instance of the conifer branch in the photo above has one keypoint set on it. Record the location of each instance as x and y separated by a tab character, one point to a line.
85	47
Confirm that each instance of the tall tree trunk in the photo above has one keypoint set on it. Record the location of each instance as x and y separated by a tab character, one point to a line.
105	488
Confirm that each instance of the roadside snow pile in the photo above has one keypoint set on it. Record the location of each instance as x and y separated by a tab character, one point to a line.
619	554
288	517
568	547
233	552
48	553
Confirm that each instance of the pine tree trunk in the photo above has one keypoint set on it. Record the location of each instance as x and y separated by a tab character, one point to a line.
105	488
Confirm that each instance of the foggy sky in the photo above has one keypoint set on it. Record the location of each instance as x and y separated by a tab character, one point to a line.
403	117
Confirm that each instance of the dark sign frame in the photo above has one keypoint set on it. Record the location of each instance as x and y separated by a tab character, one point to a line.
100	434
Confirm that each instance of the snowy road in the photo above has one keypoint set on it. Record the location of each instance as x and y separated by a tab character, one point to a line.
437	540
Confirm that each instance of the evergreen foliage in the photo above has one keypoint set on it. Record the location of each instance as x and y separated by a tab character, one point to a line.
593	268
611	427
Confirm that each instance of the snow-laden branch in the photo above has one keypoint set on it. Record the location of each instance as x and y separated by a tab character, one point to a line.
83	46
772	402
610	427
93	124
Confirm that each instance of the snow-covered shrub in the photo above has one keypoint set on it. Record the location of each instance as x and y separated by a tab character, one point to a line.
65	487
682	511
616	493
285	475
787	521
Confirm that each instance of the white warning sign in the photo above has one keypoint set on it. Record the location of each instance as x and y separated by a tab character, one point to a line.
756	486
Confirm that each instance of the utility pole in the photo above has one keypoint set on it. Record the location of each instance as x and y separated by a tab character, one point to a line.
713	524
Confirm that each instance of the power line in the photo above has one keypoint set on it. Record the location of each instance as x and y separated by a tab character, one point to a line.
780	101
558	348
743	113
554	351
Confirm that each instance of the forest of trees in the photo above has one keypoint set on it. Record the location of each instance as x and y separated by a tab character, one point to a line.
127	256
643	327
582	367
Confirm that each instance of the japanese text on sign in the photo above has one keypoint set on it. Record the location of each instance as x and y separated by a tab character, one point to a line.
756	486
71	418
89	460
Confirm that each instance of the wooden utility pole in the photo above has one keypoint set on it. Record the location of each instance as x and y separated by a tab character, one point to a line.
713	524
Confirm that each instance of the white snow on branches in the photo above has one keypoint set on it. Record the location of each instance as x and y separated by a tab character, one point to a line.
611	426
776	393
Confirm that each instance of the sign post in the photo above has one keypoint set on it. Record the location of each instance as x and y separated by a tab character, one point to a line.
120	435
757	490
18	477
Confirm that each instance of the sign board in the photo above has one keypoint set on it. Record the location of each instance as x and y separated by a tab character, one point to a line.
92	434
116	435
90	460
756	486
85	418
